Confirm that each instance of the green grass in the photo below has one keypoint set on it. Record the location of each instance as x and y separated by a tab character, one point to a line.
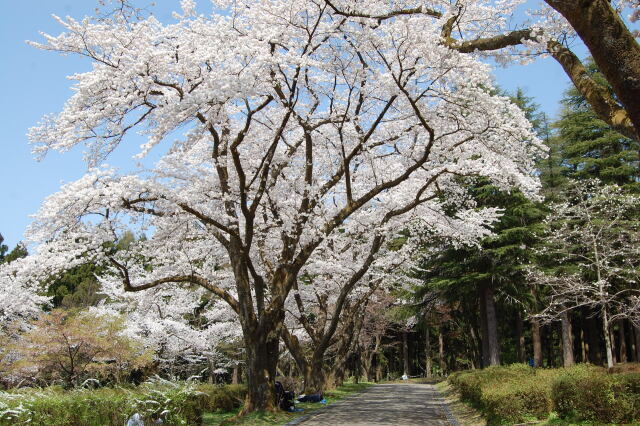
262	418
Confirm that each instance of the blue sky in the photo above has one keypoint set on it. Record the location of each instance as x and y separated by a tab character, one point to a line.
35	84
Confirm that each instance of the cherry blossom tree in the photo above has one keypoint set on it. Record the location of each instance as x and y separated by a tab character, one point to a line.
485	28
351	266
181	325
596	234
18	302
298	123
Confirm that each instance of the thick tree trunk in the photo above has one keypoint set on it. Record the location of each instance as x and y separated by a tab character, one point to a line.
567	340
262	341
262	357
315	379
405	353
427	364
612	46
493	347
537	342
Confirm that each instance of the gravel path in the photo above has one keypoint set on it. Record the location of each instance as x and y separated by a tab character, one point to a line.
389	404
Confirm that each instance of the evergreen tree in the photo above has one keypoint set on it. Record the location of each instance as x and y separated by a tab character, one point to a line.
589	147
3	249
478	276
19	251
79	286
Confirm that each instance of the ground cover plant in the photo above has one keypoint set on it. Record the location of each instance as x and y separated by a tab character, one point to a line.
176	403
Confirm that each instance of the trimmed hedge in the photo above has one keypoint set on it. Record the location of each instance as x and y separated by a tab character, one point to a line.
592	394
518	393
176	403
507	394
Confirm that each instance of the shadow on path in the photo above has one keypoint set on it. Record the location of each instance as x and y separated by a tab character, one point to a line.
400	404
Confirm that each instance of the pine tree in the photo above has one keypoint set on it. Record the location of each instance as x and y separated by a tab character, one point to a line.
496	269
3	249
589	147
19	251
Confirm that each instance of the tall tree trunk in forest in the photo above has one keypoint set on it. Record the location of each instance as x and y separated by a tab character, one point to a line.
484	329
492	326
583	346
520	350
567	340
476	348
427	358
405	353
636	331
441	351
622	342
537	342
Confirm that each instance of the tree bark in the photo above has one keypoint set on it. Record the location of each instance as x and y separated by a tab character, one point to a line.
537	342
262	357
567	340
612	46
493	347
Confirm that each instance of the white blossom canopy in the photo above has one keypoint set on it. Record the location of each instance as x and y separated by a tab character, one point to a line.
300	125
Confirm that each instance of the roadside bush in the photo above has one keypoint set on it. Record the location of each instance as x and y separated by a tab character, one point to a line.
590	393
507	394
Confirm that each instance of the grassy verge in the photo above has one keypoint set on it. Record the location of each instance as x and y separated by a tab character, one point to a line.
260	418
463	411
